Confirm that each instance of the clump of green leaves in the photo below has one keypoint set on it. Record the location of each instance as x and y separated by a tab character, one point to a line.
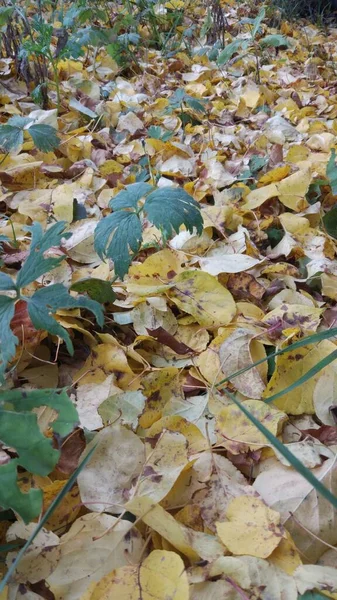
185	102
44	136
43	304
19	430
119	235
243	46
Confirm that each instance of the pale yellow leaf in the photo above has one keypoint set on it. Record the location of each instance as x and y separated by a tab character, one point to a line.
201	295
161	576
252	528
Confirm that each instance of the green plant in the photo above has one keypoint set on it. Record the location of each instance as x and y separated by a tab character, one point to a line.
44	302
184	102
19	429
12	134
119	235
49	512
244	46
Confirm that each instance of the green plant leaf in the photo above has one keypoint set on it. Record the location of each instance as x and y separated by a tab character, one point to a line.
21	400
257	22
289	456
20	430
45	302
130	196
44	137
169	208
28	505
274	41
50	510
5	14
330	221
8	340
97	289
11	138
230	50
331	171
36	264
19	122
6	282
197	105
116	237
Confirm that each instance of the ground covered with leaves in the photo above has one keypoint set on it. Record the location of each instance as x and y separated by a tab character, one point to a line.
167	308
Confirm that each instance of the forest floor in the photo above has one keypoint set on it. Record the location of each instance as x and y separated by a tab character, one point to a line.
213	471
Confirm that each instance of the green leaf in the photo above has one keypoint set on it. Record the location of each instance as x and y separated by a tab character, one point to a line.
116	237
274	41
50	510
330	221
21	431
331	171
289	456
5	14
21	400
169	208
8	340
197	105
97	289
130	196
11	138
44	137
29	505
45	302
257	22
6	282
19	122
229	51
36	264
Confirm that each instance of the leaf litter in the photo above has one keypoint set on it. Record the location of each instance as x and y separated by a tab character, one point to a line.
182	496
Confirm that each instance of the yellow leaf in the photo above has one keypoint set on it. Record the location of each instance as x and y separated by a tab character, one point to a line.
307	318
253	528
94	546
159	387
106	359
196	441
275	175
67	511
286	555
235	354
161	576
238	434
155	274
201	295
166	457
291	192
289	368
193	544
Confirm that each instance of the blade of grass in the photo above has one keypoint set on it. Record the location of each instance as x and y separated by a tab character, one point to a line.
310	339
289	456
301	380
45	518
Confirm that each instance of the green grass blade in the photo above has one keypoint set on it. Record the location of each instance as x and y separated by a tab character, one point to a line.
45	518
310	339
301	380
289	456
